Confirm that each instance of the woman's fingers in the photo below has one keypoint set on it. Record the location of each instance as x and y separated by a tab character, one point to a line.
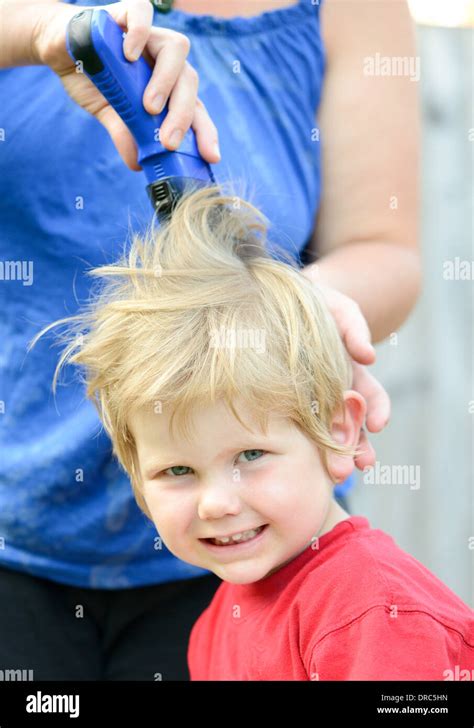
207	136
377	399
181	107
378	411
367	456
355	332
120	134
350	320
167	50
173	82
136	18
139	23
180	83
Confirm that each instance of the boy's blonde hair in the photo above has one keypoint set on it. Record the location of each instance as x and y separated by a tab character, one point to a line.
147	338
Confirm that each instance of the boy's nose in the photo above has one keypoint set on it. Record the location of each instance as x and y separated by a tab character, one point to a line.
219	498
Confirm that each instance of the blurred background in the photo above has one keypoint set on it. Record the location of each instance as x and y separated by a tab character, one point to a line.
427	366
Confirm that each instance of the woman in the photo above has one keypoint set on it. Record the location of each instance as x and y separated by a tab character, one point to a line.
75	544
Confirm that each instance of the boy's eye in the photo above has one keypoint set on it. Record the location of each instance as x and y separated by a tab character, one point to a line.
177	467
255	454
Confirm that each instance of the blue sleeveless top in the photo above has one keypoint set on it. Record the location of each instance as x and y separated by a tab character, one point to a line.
67	511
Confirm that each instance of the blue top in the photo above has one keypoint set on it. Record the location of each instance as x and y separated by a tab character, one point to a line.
67	510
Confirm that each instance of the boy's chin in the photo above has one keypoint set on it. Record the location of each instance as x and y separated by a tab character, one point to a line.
239	573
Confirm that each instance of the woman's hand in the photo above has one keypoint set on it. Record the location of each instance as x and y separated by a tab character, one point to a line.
355	334
172	78
378	410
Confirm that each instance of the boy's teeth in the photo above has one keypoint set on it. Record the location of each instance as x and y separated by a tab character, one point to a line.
244	536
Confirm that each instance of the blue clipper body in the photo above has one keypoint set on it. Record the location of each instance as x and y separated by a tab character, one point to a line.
96	40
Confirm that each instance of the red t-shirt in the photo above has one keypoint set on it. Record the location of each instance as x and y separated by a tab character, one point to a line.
357	607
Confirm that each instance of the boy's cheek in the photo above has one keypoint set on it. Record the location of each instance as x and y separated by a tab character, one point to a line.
169	516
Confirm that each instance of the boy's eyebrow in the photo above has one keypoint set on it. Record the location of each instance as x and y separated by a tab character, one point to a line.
154	466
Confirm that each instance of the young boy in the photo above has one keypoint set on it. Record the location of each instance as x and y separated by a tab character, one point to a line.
200	328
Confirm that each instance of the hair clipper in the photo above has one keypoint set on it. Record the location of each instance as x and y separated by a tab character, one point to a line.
96	40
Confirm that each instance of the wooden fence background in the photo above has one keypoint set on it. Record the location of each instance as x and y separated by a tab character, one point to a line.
428	371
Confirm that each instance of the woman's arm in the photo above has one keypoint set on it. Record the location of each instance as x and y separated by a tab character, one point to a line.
18	22
367	226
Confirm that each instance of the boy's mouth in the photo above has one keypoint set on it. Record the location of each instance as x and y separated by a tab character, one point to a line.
237	538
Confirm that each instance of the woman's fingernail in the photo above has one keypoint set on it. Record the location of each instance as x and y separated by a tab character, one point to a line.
158	102
175	138
135	53
216	149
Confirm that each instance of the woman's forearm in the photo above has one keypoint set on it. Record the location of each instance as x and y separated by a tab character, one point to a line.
18	23
383	278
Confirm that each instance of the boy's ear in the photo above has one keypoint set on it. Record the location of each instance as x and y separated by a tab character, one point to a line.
345	430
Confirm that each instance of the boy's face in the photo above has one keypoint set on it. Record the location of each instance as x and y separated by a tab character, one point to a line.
229	480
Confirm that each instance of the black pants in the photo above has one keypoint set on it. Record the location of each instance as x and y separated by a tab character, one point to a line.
62	632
